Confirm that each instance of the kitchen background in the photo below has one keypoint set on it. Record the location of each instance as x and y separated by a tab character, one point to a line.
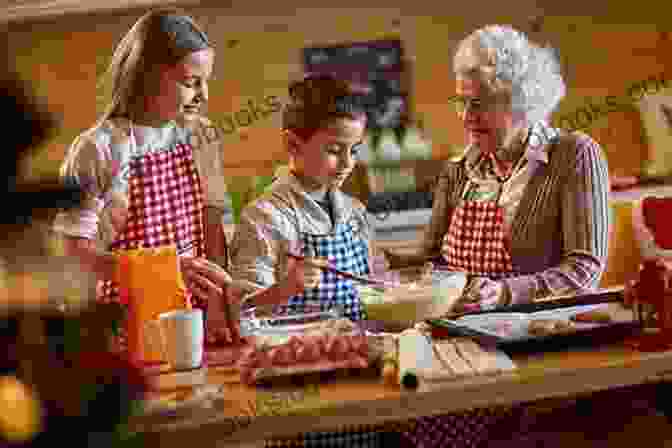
604	50
259	52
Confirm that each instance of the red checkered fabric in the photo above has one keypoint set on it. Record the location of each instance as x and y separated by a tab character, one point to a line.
468	429
476	241
165	208
165	202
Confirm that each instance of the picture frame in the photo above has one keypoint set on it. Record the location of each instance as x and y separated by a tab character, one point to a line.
378	68
656	113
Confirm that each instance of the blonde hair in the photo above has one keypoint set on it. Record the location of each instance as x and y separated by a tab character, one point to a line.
511	64
133	70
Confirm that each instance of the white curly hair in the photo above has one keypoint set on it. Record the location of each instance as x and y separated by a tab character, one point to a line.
510	63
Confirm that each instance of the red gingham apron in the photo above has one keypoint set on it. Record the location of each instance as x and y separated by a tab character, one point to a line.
475	243
165	208
476	240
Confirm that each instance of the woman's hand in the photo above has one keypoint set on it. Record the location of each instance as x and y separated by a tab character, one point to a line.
118	217
303	274
206	279
481	293
210	283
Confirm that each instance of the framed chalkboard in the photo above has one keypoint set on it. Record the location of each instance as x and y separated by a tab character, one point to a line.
378	69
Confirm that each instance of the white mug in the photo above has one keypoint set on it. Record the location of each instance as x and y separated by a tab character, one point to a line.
180	337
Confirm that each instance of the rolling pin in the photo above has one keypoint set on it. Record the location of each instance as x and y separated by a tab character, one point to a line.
390	364
415	355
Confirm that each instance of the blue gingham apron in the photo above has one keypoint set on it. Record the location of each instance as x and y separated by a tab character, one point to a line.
348	252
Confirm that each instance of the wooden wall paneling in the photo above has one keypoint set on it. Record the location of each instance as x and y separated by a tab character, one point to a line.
253	65
266	49
621	137
637	39
349	25
56	9
593	52
590	52
63	69
577	98
432	45
619	131
267	60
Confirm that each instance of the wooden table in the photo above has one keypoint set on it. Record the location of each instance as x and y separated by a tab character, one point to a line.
354	401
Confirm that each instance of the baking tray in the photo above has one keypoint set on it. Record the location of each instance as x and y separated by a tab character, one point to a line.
515	338
614	295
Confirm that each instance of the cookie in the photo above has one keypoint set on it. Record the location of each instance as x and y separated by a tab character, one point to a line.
548	327
593	317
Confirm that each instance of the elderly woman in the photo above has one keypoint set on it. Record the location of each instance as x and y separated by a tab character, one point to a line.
525	211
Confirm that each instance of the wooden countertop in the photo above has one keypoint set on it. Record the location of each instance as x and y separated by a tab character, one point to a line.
364	400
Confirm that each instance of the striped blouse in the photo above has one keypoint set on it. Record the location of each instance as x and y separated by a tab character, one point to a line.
559	230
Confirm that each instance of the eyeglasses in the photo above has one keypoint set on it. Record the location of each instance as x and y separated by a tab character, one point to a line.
475	104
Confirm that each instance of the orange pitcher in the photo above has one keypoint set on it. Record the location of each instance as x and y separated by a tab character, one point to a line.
151	283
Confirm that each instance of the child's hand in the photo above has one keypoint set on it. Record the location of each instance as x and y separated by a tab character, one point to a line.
205	279
303	274
214	286
220	333
118	217
219	329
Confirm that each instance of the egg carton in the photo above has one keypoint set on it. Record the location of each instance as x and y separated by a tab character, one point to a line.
292	349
